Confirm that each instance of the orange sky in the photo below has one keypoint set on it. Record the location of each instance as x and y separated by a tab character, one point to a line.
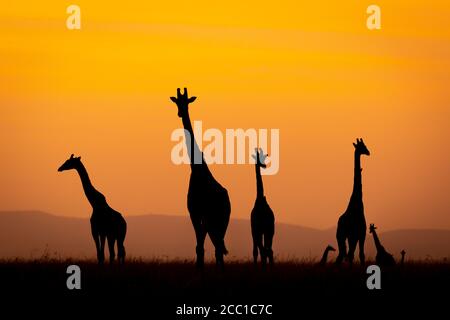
312	70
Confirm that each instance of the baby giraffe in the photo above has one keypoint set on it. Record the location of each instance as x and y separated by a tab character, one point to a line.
262	217
383	258
403	253
106	223
324	259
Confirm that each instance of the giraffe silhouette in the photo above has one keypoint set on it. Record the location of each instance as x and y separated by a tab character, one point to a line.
106	223
324	259
262	217
383	258
403	253
207	201
352	224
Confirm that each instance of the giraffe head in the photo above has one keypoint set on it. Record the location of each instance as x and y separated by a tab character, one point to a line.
372	228
330	248
71	163
361	148
182	101
260	158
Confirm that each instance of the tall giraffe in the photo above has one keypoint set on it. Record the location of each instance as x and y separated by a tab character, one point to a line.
352	224
262	217
383	258
207	201
106	223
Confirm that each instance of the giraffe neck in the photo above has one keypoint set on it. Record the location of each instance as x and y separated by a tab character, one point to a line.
377	241
195	155
259	183
89	190
325	256
357	179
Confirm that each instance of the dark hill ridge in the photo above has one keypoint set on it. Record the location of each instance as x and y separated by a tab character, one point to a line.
33	234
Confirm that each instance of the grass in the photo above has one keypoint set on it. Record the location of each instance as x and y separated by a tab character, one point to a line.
164	278
288	283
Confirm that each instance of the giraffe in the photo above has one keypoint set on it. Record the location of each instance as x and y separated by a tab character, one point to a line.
262	217
324	259
207	201
352	224
383	258
106	223
403	253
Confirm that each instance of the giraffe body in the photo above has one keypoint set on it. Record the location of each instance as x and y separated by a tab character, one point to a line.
352	226
262	217
207	201
209	209
383	258
106	223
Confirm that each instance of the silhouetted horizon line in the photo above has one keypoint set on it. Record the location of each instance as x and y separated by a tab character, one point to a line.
172	215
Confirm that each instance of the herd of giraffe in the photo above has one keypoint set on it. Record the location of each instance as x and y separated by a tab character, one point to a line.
209	208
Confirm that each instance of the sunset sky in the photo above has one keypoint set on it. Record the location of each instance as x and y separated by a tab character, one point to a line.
312	70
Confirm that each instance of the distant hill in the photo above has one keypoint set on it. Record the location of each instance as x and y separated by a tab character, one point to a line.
34	234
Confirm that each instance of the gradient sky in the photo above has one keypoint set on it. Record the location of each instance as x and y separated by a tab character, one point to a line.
312	70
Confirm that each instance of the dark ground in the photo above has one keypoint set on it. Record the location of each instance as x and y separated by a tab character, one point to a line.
160	287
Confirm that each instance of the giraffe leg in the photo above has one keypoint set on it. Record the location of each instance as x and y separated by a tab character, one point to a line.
101	252
121	248
219	248
121	252
220	254
362	256
112	254
268	238
200	235
258	246
120	240
97	247
342	247
255	252
262	252
351	249
96	237
341	240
